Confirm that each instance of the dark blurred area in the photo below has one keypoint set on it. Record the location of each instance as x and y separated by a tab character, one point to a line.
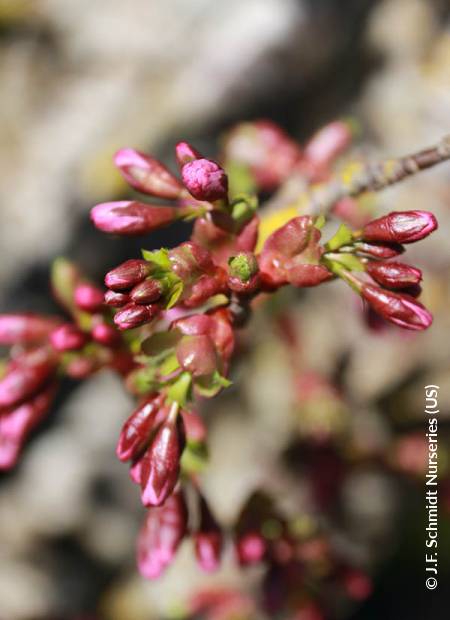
81	79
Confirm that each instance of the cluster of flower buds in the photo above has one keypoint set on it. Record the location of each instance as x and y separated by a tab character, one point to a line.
141	288
391	288
203	187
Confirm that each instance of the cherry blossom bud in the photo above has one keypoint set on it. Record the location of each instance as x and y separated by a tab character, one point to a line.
16	424
25	377
197	355
147	292
114	299
68	337
328	143
250	548
81	367
397	308
186	153
400	227
357	585
379	250
105	334
127	275
244	275
136	432
163	530
88	297
134	315
161	465
146	174
129	217
208	540
205	180
394	275
24	328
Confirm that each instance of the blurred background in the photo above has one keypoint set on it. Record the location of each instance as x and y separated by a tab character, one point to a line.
81	79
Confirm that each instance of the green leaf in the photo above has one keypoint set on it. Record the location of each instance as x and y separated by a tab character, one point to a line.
240	179
159	258
349	261
64	278
211	385
169	365
180	389
194	458
243	209
320	222
342	237
175	294
161	342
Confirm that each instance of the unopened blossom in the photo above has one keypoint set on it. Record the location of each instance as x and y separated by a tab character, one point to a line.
127	274
133	315
130	217
88	297
25	328
146	174
68	337
393	274
398	308
205	180
400	227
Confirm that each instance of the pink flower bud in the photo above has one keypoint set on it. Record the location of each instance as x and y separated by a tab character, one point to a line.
15	426
186	153
357	585
129	217
394	275
127	274
328	143
136	432
25	377
266	149
146	174
161	465
400	227
88	297
208	540
81	367
24	328
134	315
163	530
380	250
147	292
205	180
105	334
250	548
114	299
68	337
397	308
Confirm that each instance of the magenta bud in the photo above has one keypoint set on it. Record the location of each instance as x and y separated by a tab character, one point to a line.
250	548
205	180
129	217
208	547
208	539
186	153
67	337
136	432
400	227
26	376
379	250
398	308
161	465
81	367
328	143
24	328
134	315
15	426
394	275
114	299
197	355
88	297
147	292
105	334
127	274
163	530
357	584
147	175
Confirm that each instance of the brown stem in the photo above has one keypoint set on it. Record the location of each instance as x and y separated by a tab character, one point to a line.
371	178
